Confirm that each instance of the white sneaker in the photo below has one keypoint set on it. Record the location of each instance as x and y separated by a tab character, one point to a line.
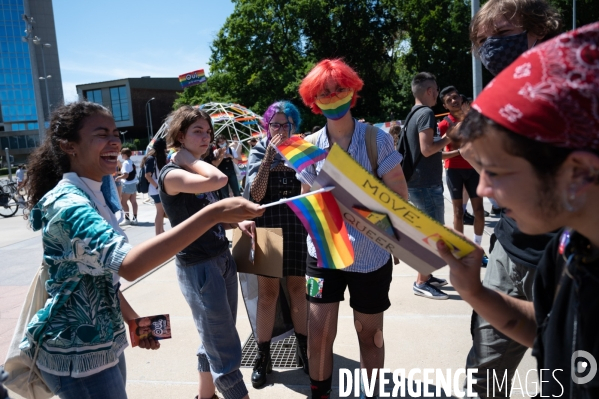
125	222
134	222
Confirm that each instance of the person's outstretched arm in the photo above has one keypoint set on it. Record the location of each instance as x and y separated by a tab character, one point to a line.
513	317
157	250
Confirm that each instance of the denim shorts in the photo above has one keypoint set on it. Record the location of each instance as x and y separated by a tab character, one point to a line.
156	198
430	201
210	289
109	383
129	188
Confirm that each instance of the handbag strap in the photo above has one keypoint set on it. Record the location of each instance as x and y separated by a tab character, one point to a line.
371	148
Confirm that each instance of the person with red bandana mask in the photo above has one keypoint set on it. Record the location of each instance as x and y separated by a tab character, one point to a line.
534	134
500	32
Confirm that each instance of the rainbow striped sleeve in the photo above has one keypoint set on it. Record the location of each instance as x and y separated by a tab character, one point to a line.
322	218
300	153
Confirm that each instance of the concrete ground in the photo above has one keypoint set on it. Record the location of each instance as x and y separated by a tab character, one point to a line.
419	332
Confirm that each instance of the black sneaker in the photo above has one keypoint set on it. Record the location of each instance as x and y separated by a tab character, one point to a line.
495	211
428	291
436	282
468	218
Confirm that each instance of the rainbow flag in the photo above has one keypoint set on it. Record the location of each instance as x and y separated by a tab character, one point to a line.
192	78
300	153
322	218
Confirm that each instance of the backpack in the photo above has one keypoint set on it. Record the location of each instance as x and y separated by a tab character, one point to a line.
408	165
143	185
131	176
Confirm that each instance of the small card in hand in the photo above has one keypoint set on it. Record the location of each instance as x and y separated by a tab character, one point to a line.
158	327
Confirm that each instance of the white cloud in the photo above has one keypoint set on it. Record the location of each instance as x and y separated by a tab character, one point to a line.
70	91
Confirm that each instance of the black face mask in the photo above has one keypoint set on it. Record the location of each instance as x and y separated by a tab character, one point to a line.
497	53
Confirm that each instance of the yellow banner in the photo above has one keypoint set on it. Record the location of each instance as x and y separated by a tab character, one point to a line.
373	194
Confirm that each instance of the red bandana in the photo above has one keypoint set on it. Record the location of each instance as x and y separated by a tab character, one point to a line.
551	92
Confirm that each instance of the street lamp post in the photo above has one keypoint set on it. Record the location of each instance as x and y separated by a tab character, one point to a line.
149	118
37	41
39	104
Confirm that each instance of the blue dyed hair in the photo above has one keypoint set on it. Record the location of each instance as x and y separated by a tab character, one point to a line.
281	107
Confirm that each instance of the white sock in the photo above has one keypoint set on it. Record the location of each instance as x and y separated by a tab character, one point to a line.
478	239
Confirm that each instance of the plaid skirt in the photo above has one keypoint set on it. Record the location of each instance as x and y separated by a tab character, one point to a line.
283	184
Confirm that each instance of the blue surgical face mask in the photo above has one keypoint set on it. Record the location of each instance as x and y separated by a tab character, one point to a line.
496	53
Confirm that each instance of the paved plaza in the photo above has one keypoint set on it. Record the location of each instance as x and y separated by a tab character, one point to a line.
419	332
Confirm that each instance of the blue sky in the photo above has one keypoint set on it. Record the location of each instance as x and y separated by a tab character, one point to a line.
115	39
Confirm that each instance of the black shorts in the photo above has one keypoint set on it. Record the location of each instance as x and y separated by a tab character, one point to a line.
458	178
368	292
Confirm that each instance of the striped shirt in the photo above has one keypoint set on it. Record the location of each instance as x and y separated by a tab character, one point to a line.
368	256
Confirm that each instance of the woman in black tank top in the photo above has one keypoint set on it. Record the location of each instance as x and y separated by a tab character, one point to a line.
206	271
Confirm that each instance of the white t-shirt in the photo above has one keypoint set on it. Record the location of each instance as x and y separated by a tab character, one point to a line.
230	151
20	175
128	168
237	147
151	161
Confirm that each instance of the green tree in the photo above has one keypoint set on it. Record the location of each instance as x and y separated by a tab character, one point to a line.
256	56
435	39
266	47
587	11
363	33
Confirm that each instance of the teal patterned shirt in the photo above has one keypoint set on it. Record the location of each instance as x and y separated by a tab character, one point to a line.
81	327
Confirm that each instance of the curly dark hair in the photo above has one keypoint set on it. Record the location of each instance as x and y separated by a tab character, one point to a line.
48	162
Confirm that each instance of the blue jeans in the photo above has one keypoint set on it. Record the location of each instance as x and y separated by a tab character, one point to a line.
430	201
210	289
109	383
233	182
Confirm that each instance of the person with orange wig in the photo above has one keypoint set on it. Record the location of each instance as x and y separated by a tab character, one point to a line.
331	88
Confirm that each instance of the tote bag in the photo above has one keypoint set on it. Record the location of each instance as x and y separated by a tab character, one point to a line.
24	376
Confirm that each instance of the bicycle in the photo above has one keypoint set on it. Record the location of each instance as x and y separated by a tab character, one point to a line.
9	199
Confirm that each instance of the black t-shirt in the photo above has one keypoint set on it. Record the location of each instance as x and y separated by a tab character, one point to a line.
183	205
227	163
429	170
522	248
567	322
151	165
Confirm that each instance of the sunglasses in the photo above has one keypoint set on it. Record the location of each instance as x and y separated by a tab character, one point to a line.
329	98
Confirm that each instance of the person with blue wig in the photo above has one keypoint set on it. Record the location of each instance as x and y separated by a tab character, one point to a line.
269	180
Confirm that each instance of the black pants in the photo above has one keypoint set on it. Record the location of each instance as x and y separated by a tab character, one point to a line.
233	182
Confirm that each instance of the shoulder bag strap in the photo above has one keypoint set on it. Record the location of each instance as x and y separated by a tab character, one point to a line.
419	156
371	148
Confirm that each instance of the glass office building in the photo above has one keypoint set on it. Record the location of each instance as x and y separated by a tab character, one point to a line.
27	86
